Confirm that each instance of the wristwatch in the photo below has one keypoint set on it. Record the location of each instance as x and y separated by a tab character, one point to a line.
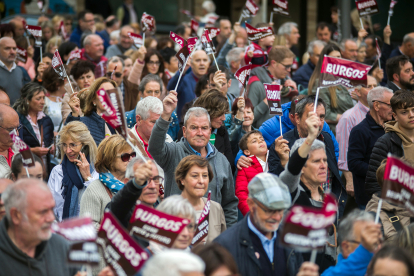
89	178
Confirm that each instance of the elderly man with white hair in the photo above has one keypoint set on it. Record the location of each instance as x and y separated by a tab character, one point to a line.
196	137
94	52
304	73
125	43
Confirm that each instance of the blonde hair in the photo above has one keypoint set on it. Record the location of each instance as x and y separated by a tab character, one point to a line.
79	132
57	19
54	41
108	151
90	94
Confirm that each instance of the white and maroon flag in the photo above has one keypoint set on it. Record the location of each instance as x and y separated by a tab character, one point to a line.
202	224
114	113
187	12
23	148
398	186
207	43
273	98
249	10
191	42
21	54
338	71
58	66
147	23
63	31
178	39
258	33
121	252
306	228
281	7
211	20
367	7
156	226
137	39
214	32
36	32
182	57
194	27
391	10
75	54
243	74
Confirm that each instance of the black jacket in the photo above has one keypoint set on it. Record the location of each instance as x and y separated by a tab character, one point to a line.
337	187
28	135
361	142
389	142
222	144
392	86
238	242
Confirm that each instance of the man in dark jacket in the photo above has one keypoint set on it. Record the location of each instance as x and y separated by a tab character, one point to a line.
254	242
363	138
277	161
398	138
303	74
400	73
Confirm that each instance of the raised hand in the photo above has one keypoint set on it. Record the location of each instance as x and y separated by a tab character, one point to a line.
74	104
219	79
282	149
371	236
83	165
141	53
387	34
169	105
143	172
312	123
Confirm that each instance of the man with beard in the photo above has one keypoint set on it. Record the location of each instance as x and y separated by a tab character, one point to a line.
254	241
400	73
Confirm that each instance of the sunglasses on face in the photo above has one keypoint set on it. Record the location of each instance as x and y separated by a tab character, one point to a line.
116	74
125	157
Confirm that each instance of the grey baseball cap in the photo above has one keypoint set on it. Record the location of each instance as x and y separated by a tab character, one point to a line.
269	190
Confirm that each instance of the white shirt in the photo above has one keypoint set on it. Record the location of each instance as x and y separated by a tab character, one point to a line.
56	187
264	165
5	67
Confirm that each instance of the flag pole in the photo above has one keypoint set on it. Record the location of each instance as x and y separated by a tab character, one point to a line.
215	61
389	18
186	60
362	25
378	211
271	17
280	122
241	17
313	256
27	172
41	58
316	100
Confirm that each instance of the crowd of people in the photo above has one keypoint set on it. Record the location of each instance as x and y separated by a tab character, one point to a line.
210	134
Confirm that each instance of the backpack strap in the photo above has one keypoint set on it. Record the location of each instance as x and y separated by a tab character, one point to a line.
395	220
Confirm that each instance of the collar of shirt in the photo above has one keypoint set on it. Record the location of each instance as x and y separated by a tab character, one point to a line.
262	162
5	67
396	85
9	158
215	131
268	245
209	149
194	76
362	107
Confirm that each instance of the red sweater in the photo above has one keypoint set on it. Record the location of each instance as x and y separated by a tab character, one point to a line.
244	176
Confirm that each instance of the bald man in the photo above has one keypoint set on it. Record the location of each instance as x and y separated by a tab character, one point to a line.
199	66
125	43
4	183
15	75
9	121
93	51
4	98
17	23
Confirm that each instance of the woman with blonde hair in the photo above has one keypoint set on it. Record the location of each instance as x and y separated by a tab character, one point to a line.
92	109
114	154
337	98
53	44
69	179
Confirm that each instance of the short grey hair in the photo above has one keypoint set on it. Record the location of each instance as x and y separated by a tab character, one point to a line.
234	54
286	28
315	145
377	94
197	112
148	104
408	38
362	44
147	79
15	195
115	34
344	41
209	6
176	205
174	263
314	43
346	227
88	39
130	172
115	59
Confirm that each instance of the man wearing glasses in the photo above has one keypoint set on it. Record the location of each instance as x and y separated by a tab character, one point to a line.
86	22
9	121
254	242
280	64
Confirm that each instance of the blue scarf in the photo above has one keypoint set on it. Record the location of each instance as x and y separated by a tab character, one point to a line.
113	184
71	178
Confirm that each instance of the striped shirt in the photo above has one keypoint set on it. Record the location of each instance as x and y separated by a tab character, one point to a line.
348	120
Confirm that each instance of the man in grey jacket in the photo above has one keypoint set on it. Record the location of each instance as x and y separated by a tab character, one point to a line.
196	132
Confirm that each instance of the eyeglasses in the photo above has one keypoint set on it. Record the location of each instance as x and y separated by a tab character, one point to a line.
287	67
192	227
154	63
381	102
267	212
72	146
125	157
117	74
9	130
354	241
157	179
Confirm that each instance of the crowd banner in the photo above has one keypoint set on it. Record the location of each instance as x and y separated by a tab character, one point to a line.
280	7
191	43
306	228
178	39
120	251
254	34
208	45
366	8
242	75
75	54
151	224
274	101
59	68
27	155
391	11
21	54
249	10
182	57
81	234
213	32
202	224
137	39
36	32
147	24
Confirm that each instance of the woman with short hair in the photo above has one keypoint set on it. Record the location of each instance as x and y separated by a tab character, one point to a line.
391	261
114	154
218	260
69	179
18	171
193	174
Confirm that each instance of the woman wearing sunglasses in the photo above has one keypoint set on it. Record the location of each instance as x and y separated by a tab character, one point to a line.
92	109
69	179
193	174
114	154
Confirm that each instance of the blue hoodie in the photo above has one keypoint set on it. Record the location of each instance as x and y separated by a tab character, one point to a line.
270	130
